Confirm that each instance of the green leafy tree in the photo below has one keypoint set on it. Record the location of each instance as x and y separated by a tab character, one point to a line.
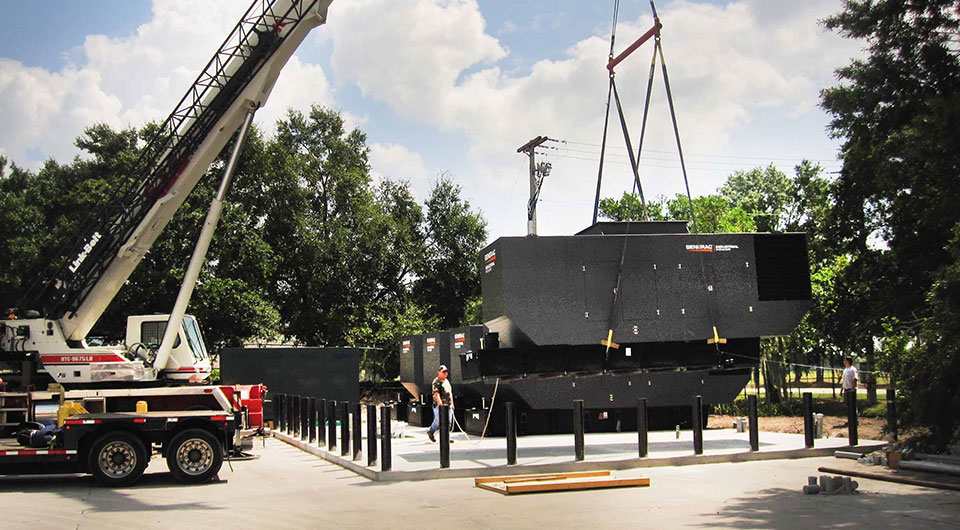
897	111
448	278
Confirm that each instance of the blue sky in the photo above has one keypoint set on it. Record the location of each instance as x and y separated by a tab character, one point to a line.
454	86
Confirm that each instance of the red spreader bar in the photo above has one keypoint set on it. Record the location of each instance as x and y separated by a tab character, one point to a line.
655	30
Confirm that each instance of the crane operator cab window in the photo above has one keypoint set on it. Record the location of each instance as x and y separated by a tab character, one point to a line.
194	338
151	334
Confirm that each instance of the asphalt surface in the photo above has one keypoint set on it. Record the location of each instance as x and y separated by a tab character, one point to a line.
287	488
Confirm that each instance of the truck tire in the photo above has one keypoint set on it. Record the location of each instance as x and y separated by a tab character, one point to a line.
194	456
117	459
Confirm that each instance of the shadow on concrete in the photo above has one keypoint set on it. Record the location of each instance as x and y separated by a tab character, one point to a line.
464	452
789	508
98	498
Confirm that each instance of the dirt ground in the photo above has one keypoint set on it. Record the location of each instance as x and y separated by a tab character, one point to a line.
833	426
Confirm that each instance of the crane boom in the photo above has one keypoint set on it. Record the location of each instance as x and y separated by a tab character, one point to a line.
240	75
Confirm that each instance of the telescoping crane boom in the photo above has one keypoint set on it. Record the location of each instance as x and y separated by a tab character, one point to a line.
233	85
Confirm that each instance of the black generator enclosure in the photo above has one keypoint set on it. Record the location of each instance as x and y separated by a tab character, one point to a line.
411	364
324	373
465	343
682	313
436	351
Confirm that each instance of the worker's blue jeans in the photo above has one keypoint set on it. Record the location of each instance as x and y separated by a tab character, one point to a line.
435	426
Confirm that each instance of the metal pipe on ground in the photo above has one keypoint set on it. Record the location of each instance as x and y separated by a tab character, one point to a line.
930	467
371	434
851	455
892	478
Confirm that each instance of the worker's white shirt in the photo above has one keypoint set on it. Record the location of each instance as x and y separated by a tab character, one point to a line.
850	377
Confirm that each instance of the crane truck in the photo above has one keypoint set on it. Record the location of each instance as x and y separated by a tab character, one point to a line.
109	408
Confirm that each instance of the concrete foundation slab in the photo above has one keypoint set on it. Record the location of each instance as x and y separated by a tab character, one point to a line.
415	457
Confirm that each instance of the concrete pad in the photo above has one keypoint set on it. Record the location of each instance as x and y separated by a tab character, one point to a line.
415	457
287	488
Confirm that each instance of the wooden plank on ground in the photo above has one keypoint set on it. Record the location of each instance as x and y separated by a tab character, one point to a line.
558	482
520	478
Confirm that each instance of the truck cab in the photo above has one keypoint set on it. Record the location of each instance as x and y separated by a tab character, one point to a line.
189	360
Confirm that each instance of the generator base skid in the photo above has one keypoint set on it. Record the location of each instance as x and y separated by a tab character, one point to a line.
545	405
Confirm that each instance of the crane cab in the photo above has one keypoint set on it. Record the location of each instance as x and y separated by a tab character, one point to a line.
189	360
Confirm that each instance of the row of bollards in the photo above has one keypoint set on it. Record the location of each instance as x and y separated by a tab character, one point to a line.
305	417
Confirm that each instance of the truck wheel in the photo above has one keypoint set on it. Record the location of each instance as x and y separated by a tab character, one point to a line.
194	456
117	458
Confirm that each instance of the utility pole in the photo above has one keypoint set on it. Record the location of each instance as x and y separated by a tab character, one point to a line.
535	182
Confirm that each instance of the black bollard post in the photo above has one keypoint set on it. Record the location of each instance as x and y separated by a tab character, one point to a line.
578	444
275	406
357	431
511	433
444	411
304	415
322	422
278	401
851	396
697	425
371	434
312	419
297	418
808	419
892	412
642	427
754	423
385	451
288	401
331	425
344	428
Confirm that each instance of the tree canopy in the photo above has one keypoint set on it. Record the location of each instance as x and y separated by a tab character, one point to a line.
310	248
895	215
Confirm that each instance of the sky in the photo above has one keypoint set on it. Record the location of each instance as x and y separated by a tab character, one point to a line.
454	87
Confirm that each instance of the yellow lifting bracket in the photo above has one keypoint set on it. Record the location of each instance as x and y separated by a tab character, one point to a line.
716	338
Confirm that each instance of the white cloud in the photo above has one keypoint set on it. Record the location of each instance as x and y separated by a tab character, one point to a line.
396	162
127	81
728	65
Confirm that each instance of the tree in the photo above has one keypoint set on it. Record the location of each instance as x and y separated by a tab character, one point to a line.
715	214
897	112
309	249
448	275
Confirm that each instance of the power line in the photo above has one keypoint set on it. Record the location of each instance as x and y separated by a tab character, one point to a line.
703	154
699	165
568	149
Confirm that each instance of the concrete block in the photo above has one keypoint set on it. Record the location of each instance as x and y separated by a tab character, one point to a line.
812	481
811	489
